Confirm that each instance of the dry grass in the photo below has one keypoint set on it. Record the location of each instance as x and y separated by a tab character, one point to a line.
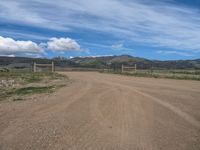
17	85
170	74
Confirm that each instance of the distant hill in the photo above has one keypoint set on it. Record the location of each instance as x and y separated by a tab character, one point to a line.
112	61
117	61
101	62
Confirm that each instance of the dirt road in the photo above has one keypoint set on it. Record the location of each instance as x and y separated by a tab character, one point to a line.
106	112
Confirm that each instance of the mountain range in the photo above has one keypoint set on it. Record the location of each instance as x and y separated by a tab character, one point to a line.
101	62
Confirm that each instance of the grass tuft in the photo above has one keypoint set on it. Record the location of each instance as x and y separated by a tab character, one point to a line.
33	90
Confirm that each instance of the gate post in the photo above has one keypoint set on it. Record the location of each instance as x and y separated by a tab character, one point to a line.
122	69
53	67
135	67
34	67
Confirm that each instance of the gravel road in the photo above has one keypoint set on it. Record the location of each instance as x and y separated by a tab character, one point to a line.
106	112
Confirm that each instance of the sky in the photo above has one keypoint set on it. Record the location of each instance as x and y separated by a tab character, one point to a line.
152	29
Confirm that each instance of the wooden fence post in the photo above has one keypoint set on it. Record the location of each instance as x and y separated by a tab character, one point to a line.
34	67
135	67
122	69
53	69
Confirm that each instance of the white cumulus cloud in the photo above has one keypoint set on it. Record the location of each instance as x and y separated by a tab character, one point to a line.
9	46
63	44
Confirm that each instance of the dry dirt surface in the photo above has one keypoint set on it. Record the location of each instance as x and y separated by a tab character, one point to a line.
106	112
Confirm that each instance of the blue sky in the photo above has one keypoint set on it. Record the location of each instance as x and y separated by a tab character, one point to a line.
159	29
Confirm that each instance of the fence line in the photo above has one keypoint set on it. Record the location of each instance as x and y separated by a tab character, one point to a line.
128	67
35	65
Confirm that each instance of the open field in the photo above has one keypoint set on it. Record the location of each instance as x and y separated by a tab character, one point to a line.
18	85
104	111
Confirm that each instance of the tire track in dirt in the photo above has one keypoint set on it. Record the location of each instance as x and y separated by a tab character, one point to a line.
119	122
174	109
126	121
188	118
120	128
68	100
128	80
85	133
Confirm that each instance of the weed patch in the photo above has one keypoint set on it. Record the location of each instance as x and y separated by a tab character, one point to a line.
33	90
